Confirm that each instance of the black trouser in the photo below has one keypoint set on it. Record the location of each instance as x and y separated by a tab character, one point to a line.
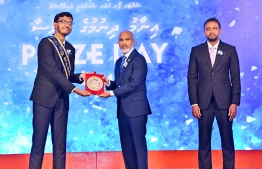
57	118
205	124
133	141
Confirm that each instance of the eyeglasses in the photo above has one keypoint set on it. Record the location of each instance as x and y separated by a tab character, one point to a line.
66	22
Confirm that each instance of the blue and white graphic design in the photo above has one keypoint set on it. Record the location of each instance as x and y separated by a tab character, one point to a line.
164	32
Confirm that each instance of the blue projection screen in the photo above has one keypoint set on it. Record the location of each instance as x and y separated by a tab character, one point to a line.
164	31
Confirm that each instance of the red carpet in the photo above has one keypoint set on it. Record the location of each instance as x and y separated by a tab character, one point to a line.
157	160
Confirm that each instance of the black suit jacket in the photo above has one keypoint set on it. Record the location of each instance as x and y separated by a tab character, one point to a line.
130	86
51	81
222	80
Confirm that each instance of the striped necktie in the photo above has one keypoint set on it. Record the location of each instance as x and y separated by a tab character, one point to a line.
122	63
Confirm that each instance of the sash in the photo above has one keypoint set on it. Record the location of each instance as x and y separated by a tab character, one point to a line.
62	53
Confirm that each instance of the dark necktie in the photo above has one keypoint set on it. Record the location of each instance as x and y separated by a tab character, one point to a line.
122	63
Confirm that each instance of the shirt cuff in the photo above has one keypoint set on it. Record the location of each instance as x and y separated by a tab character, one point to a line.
111	93
109	82
194	105
81	79
73	90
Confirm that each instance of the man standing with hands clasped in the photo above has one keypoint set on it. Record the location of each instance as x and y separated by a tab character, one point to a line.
129	87
214	91
50	95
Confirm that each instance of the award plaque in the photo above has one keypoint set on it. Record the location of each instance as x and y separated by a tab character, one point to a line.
94	83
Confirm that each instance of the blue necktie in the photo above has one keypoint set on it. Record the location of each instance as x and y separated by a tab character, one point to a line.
122	63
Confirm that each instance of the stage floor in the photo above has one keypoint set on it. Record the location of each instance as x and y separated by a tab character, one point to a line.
245	159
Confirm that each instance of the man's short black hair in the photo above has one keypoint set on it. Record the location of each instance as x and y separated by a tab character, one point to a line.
62	14
212	20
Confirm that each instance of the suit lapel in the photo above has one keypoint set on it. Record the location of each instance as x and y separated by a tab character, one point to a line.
218	56
206	55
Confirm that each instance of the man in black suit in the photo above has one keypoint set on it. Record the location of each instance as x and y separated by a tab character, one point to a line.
129	87
50	95
214	91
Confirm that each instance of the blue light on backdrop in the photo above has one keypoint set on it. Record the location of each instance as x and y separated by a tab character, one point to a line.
164	31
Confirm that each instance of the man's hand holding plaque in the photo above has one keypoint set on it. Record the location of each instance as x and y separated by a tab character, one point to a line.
94	83
105	94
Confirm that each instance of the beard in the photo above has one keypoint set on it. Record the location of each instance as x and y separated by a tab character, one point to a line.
64	32
125	50
212	39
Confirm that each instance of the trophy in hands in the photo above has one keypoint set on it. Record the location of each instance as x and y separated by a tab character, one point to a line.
94	83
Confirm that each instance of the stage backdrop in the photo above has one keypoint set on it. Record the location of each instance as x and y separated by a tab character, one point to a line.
164	31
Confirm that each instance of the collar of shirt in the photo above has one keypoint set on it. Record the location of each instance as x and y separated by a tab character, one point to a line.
216	45
129	52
